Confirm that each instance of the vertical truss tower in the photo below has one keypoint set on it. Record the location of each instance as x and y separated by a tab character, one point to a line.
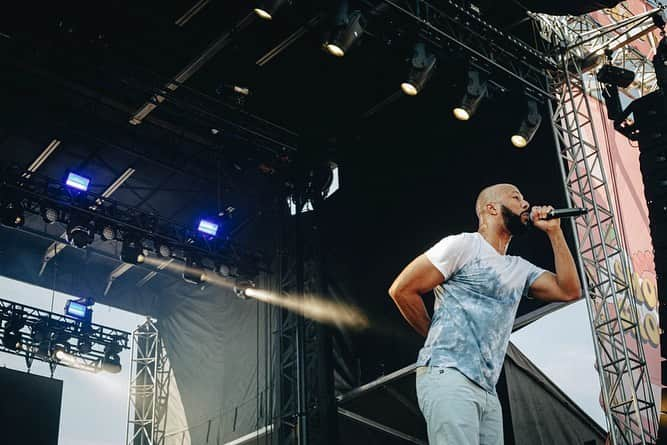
147	410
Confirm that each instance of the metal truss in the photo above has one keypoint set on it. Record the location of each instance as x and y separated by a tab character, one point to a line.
149	387
589	41
571	47
449	25
626	389
36	334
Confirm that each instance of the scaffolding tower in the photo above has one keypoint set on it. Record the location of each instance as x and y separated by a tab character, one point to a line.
147	409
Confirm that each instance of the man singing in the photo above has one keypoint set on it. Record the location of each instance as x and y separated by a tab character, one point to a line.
477	289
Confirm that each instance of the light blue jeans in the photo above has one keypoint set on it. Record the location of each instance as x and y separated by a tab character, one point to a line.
457	410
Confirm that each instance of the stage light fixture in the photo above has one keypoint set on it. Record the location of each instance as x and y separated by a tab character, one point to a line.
348	29
84	345
80	230
528	126
224	270
108	232
132	251
78	309
49	214
11	338
266	9
12	214
208	227
475	91
164	250
77	182
421	70
193	272
614	75
111	361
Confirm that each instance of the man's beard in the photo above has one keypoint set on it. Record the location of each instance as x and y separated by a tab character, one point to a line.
513	222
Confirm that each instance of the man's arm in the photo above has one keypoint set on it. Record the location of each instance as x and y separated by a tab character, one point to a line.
418	277
564	285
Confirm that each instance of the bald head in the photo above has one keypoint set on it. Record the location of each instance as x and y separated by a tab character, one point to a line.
492	193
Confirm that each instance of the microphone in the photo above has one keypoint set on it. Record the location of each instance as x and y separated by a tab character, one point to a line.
566	213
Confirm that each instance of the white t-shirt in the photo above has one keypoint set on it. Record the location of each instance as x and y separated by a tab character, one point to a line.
475	306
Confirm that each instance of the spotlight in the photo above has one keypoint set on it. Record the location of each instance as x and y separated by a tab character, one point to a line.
41	335
84	346
224	270
60	351
108	233
347	31
164	250
77	182
11	338
132	251
422	68
266	9
615	75
475	92
78	309
528	127
111	361
193	272
208	227
80	230
49	214
11	213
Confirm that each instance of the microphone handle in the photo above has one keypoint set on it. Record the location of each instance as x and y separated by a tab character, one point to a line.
566	213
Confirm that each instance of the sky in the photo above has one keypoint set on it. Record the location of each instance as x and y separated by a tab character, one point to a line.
560	344
94	406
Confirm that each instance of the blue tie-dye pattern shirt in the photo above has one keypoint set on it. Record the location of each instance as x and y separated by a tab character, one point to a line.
474	307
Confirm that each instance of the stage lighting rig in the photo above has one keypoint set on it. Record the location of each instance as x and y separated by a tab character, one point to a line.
476	90
421	70
86	215
266	9
347	30
528	126
50	332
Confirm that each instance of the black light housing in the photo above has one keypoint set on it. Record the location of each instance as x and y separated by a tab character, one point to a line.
194	272
111	361
528	126
132	251
422	67
348	29
615	75
11	213
11	338
80	230
476	89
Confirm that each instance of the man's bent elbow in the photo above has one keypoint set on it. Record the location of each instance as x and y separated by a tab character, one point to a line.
573	295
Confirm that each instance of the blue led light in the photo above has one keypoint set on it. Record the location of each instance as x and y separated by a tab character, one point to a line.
76	310
77	182
208	227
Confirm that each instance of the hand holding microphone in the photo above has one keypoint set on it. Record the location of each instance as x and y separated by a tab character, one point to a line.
547	218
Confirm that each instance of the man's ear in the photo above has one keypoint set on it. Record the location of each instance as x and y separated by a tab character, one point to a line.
491	207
